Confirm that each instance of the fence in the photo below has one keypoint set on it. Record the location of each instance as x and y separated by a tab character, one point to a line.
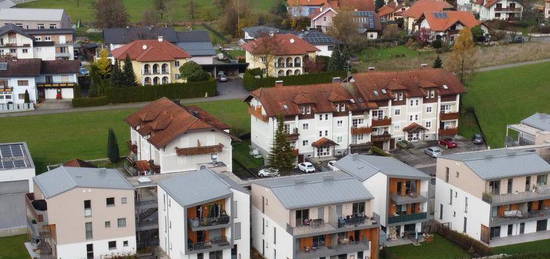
17	107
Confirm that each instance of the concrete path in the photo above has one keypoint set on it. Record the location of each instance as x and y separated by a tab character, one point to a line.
491	68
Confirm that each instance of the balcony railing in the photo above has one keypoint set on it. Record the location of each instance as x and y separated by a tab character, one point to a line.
539	193
207	222
215	244
381	122
361	130
382	137
313	226
409	198
508	9
56	85
407	217
448	116
329	250
448	132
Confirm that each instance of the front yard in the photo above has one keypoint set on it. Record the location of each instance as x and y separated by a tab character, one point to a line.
439	248
13	247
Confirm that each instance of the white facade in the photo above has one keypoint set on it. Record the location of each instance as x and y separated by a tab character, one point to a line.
170	162
19	85
324	50
502	10
283	246
23	174
23	47
124	246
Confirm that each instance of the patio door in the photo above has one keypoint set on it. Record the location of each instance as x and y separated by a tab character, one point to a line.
90	251
542	225
495	232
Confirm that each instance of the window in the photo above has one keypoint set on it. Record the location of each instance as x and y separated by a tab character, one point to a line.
445	108
495	187
107	224
411	102
177	63
428	124
88	228
466	204
416	117
25	50
358	208
416	102
510	181
457	174
121	222
274	235
237	230
446	174
320	117
87	208
53	25
465	224
301	216
410	118
326	116
527	183
339	139
326	132
340	107
305	142
429	109
305	109
112	245
305	126
110	201
123	200
13	51
451	197
357	122
339	123
541	179
377	114
125	243
320	133
397	112
40	26
263	226
235	210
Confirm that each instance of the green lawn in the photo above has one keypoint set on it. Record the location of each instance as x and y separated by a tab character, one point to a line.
542	246
13	247
440	248
372	54
506	96
178	9
56	138
241	152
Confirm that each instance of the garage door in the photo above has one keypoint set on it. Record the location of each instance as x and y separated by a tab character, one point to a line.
12	204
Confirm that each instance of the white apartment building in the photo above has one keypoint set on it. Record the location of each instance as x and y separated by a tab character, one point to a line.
400	193
533	130
495	196
322	215
45	44
204	215
498	9
167	138
35	18
82	213
372	108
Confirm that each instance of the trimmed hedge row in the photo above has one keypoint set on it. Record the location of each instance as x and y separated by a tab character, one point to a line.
467	243
252	83
150	93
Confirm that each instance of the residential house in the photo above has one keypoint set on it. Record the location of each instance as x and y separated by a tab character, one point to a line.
547	9
369	24
322	215
498	9
372	108
43	80
367	20
35	18
197	43
63	42
415	12
499	197
166	137
154	62
203	214
279	54
82	213
309	7
446	25
254	32
324	43
533	130
391	12
400	192
298	8
16	173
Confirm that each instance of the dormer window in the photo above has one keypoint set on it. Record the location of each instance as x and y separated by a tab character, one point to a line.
398	96
305	109
340	107
430	93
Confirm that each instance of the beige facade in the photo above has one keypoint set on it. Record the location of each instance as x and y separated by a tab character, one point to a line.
156	73
275	66
461	176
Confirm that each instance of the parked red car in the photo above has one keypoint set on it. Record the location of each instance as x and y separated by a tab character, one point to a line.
448	143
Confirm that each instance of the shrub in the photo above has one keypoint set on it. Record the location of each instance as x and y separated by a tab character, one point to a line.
378	151
90	101
171	91
252	83
193	72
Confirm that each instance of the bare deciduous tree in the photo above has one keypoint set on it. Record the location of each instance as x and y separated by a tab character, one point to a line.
110	14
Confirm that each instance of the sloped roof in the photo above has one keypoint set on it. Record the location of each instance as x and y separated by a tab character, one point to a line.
164	121
13	28
63	179
422	6
279	44
442	21
306	2
127	35
198	187
6	4
198	48
540	121
319	189
502	163
150	50
323	142
413	127
356	5
60	67
365	166
31	14
316	37
261	30
387	9
79	163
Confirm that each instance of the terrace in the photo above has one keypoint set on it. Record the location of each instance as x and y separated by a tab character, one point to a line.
341	247
539	193
320	226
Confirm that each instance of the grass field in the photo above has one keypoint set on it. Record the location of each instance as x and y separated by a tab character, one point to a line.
375	54
542	246
440	248
506	96
13	247
56	138
178	9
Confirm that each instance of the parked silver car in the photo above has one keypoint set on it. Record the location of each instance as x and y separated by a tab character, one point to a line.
268	172
433	152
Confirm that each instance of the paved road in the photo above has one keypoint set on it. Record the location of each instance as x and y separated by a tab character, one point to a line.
227	91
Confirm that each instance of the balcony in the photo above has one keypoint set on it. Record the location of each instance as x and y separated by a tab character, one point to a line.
132	147
520	216
361	130
56	85
210	245
539	193
381	138
409	199
381	122
329	250
65	54
508	9
317	226
448	132
6	89
207	223
147	72
294	135
408	217
444	116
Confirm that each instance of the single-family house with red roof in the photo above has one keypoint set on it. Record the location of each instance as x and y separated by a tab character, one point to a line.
498	9
447	24
420	7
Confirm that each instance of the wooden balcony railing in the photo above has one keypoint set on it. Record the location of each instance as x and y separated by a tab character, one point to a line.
382	122
448	132
361	130
257	112
46	85
381	137
448	116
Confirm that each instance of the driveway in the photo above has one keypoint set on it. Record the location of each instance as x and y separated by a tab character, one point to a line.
232	89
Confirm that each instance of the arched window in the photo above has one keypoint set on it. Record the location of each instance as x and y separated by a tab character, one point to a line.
147	81
146	69
297	72
280	62
297	62
288	62
165	68
156	80
289	72
165	80
281	73
155	68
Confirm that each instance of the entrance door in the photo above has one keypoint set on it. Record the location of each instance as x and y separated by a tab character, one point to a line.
495	232
542	225
90	251
522	228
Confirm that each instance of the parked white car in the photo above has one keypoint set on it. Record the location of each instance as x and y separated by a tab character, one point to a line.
306	167
433	152
268	172
331	165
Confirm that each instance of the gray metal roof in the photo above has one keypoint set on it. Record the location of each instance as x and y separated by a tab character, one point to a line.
317	189
13	28
257	31
6	4
317	38
198	48
15	156
63	179
365	166
502	163
31	14
540	121
198	187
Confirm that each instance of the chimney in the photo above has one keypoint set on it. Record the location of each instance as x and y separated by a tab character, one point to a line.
336	79
161	38
278	83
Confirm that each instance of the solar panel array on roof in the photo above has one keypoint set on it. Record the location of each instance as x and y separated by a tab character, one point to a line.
441	15
13	156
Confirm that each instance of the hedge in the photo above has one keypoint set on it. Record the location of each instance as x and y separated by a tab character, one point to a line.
90	101
252	83
467	243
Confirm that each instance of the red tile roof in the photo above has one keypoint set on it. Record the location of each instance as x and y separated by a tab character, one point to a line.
387	9
355	5
164	121
413	127
150	51
79	163
279	44
361	95
324	142
422	6
442	21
